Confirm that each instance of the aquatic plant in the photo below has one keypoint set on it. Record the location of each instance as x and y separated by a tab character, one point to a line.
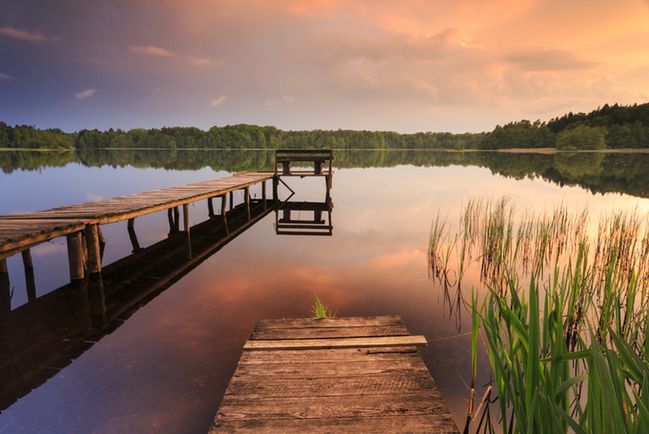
567	351
320	311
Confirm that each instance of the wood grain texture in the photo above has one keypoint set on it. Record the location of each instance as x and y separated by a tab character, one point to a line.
335	375
351	342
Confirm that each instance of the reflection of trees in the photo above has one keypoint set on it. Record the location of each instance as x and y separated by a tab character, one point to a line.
577	165
598	172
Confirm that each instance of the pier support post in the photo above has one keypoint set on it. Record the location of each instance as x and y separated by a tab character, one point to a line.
102	242
170	219
246	195
275	187
263	193
30	281
94	255
186	229
317	167
186	218
133	236
224	213
210	207
5	289
176	219
76	260
231	200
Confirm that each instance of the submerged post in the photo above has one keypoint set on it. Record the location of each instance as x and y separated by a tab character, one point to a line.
94	255
5	289
246	194
133	236
263	193
30	281
176	219
76	260
275	187
224	212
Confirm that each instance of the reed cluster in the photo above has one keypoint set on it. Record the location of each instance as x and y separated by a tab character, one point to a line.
564	322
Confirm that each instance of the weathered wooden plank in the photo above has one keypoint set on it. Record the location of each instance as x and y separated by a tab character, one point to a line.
330	369
339	354
329	322
334	343
380	424
329	332
332	407
375	384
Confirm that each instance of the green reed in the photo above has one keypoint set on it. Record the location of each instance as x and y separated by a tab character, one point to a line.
568	350
320	311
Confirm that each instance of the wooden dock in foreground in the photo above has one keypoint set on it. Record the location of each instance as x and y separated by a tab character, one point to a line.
332	375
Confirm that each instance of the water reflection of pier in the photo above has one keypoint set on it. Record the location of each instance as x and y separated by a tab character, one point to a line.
304	218
44	335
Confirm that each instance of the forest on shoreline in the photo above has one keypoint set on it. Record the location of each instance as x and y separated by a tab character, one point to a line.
608	127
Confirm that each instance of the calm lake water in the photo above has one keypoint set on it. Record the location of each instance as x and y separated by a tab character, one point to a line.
160	361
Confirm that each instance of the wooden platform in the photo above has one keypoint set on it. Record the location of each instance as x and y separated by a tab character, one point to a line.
332	375
134	205
20	232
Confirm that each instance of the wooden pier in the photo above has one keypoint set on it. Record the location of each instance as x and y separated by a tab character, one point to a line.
81	223
332	375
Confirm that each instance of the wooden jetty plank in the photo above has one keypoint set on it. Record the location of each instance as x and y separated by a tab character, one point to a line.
314	407
382	424
338	354
352	342
332	381
329	332
329	322
17	235
377	384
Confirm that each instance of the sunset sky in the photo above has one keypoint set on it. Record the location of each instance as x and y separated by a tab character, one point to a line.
411	65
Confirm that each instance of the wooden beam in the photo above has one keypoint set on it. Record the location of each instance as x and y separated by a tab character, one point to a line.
246	196
176	219
275	187
263	193
102	242
170	219
186	218
76	260
132	235
294	344
231	199
224	213
5	292
94	254
30	281
210	207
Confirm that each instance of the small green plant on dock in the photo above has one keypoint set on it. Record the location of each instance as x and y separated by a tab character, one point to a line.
320	311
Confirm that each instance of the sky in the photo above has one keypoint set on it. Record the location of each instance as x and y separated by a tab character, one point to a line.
408	65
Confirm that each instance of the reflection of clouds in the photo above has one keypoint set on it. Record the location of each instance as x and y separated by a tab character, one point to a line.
94	197
55	246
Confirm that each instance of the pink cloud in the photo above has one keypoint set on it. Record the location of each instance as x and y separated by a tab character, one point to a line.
151	50
84	94
24	35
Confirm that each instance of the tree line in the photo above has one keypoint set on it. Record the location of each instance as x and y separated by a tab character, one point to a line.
612	126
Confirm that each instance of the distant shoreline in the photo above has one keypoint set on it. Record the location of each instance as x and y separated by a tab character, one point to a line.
545	151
